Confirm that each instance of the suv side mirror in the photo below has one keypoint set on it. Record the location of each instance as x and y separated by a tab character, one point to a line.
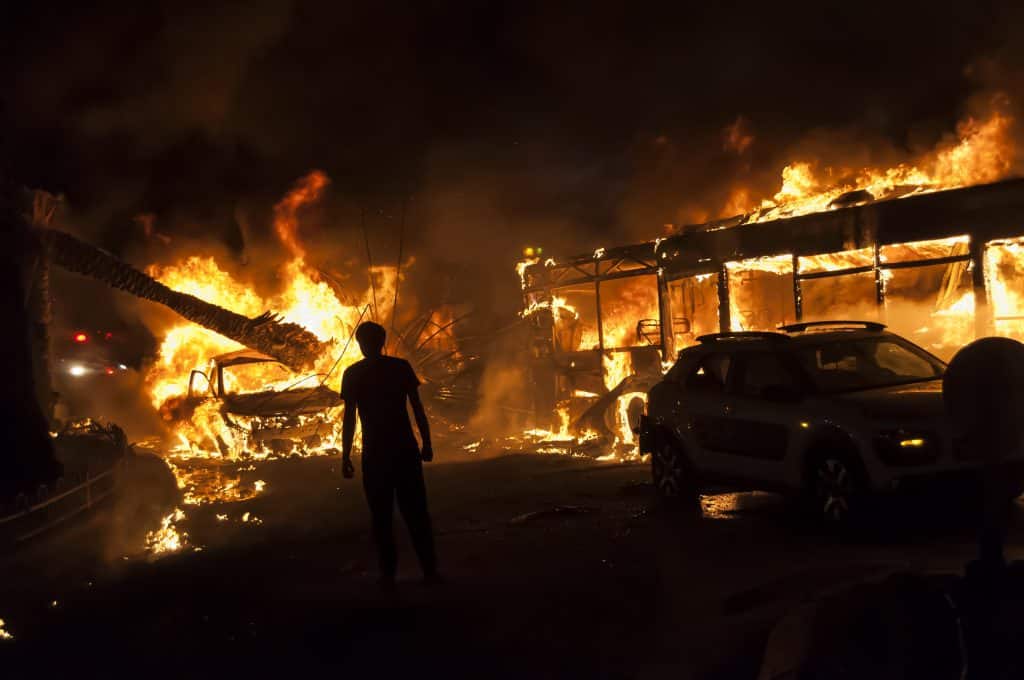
783	394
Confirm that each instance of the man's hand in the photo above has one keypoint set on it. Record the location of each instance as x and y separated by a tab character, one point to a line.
348	471
428	453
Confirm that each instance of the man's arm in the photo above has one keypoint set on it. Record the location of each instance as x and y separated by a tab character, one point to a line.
421	423
348	424
348	431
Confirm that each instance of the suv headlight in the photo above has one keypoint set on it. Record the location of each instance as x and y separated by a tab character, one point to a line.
904	447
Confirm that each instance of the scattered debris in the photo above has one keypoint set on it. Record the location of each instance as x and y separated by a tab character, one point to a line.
637	488
554	511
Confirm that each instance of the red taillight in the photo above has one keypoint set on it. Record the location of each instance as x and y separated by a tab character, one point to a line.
81	337
110	370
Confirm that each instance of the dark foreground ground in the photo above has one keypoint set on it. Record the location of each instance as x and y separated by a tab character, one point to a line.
557	568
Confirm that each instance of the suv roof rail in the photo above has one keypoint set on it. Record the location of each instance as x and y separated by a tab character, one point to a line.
804	325
742	335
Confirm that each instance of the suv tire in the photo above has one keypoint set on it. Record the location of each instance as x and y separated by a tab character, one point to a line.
834	489
674	478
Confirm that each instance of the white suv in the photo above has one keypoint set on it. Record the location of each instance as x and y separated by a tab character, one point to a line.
828	410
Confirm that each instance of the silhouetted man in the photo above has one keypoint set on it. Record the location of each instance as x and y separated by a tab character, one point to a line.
378	387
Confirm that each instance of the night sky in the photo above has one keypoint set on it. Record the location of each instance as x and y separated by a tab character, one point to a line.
501	124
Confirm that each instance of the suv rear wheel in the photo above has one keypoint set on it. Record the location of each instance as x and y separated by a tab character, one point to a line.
835	486
673	475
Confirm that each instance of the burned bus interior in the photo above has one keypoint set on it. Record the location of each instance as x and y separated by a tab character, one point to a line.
941	268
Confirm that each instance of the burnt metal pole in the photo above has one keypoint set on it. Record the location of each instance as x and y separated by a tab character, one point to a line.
398	266
984	316
798	296
369	259
879	283
664	305
724	313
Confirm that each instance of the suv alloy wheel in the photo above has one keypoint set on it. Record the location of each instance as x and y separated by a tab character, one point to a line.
834	487
673	476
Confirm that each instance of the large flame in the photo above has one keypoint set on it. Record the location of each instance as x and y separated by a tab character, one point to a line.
935	304
304	297
982	151
286	219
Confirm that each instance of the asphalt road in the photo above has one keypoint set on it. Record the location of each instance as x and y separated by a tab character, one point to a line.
556	567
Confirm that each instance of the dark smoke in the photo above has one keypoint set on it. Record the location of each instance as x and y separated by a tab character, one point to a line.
499	125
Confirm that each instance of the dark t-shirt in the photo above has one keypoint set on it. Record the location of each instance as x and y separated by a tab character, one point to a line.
378	388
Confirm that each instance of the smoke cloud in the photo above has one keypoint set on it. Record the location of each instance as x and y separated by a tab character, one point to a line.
172	127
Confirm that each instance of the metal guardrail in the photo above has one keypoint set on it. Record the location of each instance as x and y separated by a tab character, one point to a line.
92	496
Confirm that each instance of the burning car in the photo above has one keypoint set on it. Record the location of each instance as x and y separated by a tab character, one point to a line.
248	403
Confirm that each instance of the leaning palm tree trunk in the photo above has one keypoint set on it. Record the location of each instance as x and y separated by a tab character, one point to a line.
289	343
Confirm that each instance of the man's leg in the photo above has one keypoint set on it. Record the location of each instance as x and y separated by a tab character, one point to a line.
380	496
412	502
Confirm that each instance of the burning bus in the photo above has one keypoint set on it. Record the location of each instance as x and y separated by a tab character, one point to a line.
939	267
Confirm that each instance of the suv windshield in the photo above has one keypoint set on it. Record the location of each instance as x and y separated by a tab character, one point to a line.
861	364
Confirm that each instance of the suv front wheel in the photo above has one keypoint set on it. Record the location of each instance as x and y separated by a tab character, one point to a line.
673	476
835	487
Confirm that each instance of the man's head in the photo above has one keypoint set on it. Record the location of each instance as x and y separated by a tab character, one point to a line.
370	337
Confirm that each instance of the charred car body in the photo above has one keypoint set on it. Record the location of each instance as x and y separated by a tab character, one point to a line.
282	415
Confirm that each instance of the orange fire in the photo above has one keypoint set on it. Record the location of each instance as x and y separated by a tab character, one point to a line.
286	221
304	298
983	151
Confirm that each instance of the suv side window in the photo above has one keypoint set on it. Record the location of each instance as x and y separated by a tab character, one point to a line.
764	370
711	374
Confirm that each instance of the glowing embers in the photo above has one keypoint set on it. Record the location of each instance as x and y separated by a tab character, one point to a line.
203	483
761	293
1004	279
167	538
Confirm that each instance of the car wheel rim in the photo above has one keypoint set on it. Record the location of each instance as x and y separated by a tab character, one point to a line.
668	471
833	485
